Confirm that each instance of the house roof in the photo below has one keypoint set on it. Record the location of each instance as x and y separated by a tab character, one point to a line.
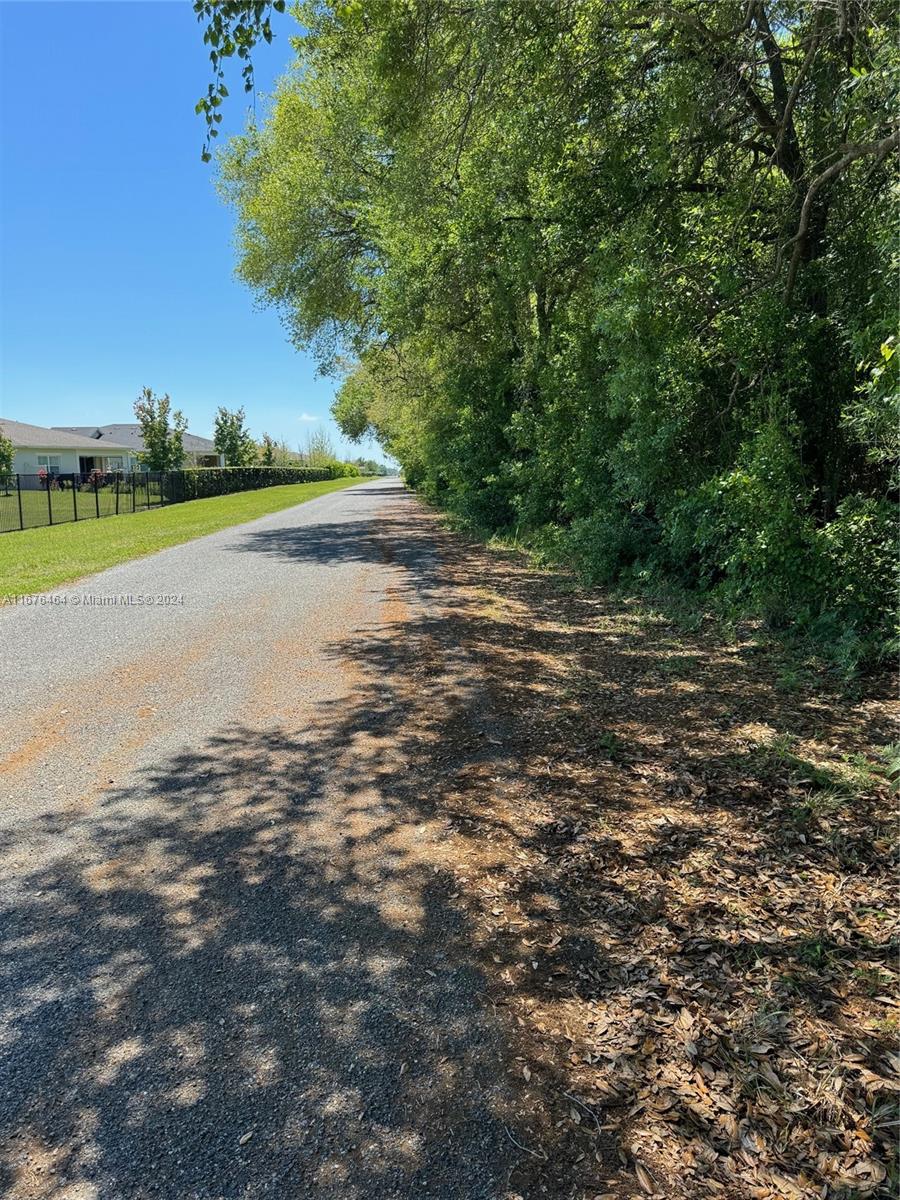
37	436
130	436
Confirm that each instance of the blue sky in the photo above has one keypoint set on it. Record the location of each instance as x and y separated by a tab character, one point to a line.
116	256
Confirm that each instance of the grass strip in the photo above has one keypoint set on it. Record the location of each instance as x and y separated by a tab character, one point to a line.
38	559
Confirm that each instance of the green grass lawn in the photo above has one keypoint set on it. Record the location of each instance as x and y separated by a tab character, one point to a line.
38	559
66	504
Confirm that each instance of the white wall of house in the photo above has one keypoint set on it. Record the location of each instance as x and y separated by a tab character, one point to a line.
30	461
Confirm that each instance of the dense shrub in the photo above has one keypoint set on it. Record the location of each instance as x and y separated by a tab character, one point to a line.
341	470
202	482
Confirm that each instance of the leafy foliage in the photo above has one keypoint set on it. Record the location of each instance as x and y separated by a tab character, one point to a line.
162	431
268	450
277	453
341	470
616	275
232	438
233	28
6	455
370	466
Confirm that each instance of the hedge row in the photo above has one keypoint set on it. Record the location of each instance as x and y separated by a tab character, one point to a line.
201	482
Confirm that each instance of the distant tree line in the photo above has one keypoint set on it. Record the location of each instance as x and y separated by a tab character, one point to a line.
163	429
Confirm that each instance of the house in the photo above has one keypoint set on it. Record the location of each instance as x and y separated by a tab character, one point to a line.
62	452
198	451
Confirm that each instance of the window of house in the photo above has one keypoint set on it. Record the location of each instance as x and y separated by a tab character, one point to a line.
50	463
114	462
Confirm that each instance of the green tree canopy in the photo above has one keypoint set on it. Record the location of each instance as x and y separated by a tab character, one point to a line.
319	449
268	451
617	273
6	455
162	431
232	438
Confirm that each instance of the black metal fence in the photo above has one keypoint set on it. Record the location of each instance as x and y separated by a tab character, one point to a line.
53	498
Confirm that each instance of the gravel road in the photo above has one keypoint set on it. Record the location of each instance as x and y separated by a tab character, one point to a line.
230	965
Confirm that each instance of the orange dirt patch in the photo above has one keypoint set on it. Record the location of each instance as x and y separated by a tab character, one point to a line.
52	727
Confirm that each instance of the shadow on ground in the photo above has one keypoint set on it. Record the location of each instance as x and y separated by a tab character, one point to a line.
245	978
476	932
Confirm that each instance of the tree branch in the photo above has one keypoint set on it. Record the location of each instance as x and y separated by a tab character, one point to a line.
877	150
788	115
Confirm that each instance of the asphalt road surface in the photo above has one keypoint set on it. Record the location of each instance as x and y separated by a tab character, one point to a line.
229	965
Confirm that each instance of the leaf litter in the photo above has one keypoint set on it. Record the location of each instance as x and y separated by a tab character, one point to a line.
683	881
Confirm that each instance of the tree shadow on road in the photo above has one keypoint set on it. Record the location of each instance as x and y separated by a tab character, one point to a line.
472	931
234	984
683	864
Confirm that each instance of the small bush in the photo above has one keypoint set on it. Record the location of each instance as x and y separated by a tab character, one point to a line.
613	542
341	470
858	563
746	534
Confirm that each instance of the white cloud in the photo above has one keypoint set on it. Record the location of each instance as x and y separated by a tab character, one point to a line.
307	417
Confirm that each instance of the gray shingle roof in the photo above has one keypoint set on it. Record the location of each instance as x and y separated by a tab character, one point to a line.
130	436
41	438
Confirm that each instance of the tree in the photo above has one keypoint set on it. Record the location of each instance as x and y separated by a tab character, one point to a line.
616	272
277	453
267	451
7	451
284	455
232	439
162	432
6	454
319	449
370	466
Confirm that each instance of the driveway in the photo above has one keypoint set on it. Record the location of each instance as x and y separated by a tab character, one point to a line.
230	960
